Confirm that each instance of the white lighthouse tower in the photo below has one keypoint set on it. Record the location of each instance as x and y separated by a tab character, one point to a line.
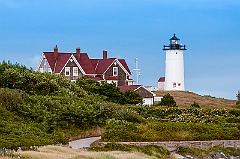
174	71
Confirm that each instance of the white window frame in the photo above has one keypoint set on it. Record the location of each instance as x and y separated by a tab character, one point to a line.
115	71
67	71
75	71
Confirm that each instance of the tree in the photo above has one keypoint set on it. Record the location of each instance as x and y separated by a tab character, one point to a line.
89	85
238	98
112	93
133	97
167	100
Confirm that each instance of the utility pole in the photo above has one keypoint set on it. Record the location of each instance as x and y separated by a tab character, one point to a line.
137	70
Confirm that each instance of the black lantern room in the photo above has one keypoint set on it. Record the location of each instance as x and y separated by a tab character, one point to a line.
174	44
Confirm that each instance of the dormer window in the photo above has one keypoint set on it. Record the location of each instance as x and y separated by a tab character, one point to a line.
67	71
115	71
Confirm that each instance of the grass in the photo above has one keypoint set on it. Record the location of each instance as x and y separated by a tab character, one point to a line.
150	150
56	152
185	98
205	152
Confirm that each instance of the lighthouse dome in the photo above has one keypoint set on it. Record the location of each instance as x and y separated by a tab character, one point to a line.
174	37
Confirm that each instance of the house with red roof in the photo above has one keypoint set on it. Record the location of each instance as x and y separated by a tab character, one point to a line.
78	64
148	96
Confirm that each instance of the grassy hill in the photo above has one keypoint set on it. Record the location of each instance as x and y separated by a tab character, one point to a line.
185	98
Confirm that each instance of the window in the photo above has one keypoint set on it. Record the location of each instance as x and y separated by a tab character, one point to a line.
67	71
174	85
115	71
75	71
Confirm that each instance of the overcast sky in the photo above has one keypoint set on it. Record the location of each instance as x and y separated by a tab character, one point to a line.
130	29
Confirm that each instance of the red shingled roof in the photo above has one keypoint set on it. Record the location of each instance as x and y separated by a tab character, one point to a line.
85	63
101	65
161	79
90	66
123	62
129	87
57	64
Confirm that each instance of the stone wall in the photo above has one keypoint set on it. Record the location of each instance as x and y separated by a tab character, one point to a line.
194	144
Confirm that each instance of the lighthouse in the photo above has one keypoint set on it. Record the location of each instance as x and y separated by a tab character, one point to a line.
174	69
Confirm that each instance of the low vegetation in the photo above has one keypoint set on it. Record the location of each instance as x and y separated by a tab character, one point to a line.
150	150
112	151
124	131
44	109
205	152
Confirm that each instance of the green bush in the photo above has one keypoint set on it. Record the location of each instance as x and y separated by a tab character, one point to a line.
195	105
133	97
167	100
117	130
11	99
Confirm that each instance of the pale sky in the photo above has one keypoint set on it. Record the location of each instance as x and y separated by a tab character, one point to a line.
130	29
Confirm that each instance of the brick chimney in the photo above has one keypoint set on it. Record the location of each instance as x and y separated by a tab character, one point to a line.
55	53
78	52
104	54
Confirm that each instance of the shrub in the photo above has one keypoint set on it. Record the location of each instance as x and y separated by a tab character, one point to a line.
11	99
238	98
167	100
128	114
124	131
195	105
133	97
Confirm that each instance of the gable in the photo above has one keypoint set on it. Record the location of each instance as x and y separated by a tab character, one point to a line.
72	62
43	65
57	64
102	65
116	62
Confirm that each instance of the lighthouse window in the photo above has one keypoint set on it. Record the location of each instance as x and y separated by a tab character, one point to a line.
179	84
176	52
174	85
